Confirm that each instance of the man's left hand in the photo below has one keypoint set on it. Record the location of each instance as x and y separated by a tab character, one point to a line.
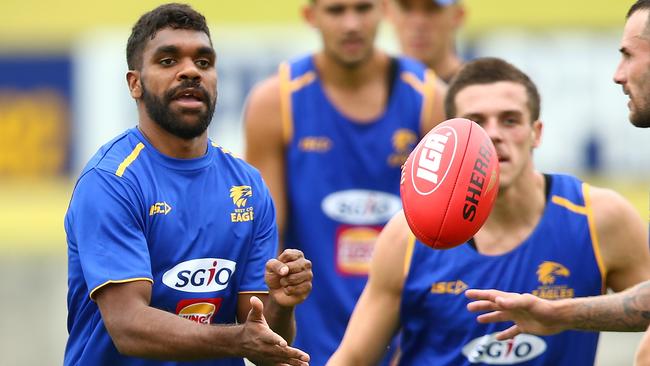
289	277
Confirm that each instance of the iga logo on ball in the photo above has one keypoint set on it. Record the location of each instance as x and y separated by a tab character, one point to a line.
433	160
449	183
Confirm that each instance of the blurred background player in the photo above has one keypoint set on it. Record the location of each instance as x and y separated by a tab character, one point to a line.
548	234
329	134
625	311
426	30
168	234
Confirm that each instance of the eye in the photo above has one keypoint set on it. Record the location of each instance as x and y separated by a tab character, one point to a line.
335	10
364	8
511	121
167	61
202	63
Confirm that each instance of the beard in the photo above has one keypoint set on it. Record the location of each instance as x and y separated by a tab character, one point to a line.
640	115
161	113
641	118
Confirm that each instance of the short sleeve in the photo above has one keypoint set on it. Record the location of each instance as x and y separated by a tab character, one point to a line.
104	224
264	246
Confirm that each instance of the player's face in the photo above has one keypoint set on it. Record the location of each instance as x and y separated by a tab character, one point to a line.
179	81
424	29
347	27
501	109
633	72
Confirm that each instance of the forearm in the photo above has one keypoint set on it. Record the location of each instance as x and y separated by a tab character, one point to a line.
280	319
153	333
627	311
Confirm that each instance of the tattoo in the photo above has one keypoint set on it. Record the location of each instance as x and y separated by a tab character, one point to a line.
628	311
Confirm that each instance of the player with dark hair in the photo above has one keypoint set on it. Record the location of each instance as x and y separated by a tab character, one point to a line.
171	239
628	310
426	30
329	134
548	234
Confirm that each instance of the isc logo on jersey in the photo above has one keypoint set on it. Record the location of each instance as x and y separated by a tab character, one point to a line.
488	350
361	207
200	275
430	166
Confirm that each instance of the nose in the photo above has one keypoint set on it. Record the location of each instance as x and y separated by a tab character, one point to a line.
619	74
491	127
351	21
189	71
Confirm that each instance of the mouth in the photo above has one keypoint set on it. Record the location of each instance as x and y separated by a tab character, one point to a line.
503	159
352	43
190	98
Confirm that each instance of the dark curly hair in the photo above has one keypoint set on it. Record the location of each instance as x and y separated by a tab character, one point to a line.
173	15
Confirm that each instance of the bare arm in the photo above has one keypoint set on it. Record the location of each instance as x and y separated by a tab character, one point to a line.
265	143
376	315
623	239
627	311
140	330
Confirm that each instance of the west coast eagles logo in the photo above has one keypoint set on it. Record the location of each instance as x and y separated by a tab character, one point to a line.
240	195
547	274
404	141
547	271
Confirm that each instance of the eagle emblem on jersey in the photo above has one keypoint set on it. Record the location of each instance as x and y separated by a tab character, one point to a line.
404	141
240	194
547	271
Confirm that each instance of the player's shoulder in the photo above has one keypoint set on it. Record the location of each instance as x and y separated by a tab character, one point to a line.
232	164
407	64
111	156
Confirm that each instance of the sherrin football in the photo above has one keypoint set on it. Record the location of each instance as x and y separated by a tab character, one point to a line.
449	183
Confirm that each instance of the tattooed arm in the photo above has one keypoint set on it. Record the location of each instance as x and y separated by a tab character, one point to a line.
625	311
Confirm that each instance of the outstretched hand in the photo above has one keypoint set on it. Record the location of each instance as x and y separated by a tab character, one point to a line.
289	277
530	313
261	343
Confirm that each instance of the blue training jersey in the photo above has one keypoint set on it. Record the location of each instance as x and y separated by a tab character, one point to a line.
342	185
200	230
560	259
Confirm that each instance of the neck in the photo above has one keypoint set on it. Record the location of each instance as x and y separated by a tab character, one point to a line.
332	71
447	66
171	145
515	215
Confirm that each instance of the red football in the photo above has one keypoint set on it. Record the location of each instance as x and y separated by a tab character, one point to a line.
449	183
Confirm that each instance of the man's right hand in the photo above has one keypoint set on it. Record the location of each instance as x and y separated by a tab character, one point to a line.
264	347
530	313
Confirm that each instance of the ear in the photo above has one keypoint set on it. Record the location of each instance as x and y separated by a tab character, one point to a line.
308	14
134	82
536	134
389	11
459	15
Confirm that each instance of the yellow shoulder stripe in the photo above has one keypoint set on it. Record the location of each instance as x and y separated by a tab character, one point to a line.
287	87
408	256
129	159
427	88
595	241
561	201
92	293
284	74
